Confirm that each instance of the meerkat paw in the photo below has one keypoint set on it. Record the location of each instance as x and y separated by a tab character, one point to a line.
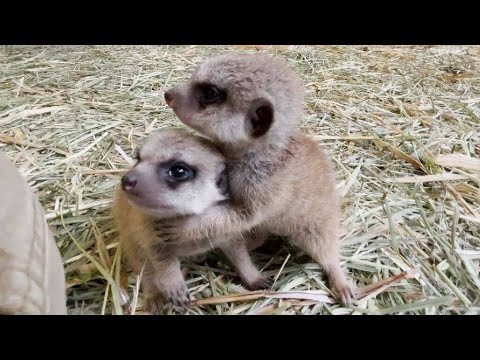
343	292
166	231
177	295
261	283
171	233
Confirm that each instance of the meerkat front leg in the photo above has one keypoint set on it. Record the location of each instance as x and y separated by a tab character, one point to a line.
217	222
164	284
236	251
321	243
153	299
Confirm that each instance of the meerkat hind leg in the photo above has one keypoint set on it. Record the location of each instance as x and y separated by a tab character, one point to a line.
321	245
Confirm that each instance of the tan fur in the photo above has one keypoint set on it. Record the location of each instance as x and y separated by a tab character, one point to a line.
281	182
140	217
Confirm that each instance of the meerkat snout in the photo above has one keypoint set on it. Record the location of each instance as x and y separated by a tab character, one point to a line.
129	181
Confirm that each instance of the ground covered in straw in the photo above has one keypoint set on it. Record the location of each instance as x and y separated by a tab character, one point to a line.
401	124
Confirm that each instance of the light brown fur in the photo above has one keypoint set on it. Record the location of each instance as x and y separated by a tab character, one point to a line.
281	182
140	211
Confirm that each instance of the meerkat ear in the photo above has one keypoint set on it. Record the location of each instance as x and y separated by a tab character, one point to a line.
259	117
222	181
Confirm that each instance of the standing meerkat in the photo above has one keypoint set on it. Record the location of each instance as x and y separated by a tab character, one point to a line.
281	182
177	176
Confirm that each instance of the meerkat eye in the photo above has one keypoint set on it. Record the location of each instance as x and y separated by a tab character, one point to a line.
137	155
180	172
210	94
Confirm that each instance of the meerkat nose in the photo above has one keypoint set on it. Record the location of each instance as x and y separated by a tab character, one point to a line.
168	97
128	182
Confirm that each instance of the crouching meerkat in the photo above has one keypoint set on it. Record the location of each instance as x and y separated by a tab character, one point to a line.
281	182
177	176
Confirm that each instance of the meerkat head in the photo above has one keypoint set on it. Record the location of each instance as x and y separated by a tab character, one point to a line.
240	99
176	173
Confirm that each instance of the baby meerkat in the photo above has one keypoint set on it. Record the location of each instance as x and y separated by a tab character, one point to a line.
177	176
281	182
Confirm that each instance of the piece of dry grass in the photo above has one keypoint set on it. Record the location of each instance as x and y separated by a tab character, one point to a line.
401	124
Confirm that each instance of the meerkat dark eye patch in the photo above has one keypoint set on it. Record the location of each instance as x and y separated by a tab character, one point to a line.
259	117
222	181
208	94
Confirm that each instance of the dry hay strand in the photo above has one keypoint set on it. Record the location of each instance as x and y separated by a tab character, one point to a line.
401	124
